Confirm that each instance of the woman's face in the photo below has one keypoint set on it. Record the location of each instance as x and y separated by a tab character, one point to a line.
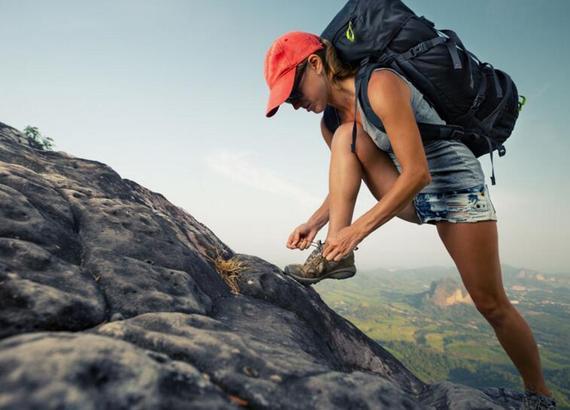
312	90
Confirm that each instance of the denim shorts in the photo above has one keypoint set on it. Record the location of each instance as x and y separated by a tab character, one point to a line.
464	205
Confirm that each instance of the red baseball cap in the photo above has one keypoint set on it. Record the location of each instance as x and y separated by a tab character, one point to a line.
280	61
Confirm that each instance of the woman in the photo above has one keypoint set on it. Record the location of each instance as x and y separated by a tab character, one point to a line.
441	183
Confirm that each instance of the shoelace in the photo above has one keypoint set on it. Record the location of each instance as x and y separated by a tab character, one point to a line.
319	244
315	256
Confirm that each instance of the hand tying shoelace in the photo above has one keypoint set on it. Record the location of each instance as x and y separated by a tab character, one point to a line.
320	243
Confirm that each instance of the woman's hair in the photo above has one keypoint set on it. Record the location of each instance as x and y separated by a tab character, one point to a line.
335	69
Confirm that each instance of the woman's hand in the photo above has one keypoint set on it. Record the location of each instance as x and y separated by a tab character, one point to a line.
302	236
338	246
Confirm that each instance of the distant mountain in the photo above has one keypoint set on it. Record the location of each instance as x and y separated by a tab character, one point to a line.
443	292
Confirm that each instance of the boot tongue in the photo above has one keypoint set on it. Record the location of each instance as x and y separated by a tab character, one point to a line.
315	261
315	254
317	251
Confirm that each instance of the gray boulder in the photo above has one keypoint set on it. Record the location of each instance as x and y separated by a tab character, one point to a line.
111	297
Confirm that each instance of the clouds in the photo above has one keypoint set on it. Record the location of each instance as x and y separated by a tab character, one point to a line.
241	167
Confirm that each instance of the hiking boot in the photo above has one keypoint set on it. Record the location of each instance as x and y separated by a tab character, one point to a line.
537	401
317	267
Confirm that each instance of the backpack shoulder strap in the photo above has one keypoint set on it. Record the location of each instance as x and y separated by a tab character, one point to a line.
428	131
331	118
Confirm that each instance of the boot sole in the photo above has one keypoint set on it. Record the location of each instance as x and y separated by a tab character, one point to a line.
341	274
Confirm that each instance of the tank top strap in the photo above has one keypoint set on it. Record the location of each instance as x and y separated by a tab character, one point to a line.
410	85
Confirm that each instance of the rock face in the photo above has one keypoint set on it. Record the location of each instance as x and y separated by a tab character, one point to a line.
446	292
112	297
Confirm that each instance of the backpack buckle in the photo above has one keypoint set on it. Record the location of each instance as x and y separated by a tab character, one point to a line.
418	49
502	150
456	132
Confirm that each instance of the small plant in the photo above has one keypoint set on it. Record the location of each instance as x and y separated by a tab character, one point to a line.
229	270
37	140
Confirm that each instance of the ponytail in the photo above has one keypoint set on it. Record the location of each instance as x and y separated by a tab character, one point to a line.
335	69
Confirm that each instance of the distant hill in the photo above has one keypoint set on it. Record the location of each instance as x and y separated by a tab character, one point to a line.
443	292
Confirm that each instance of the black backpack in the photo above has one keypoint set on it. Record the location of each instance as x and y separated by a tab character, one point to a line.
479	103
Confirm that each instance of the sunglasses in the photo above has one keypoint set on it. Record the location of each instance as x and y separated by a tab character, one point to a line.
296	93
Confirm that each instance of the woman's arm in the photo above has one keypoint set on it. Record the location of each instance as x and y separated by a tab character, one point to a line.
321	215
390	98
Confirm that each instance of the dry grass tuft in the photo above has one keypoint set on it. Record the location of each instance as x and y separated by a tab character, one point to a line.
229	270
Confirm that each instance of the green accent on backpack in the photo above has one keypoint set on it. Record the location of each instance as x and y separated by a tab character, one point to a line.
521	103
350	32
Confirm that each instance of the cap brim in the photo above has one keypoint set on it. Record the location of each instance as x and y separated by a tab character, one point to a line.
280	91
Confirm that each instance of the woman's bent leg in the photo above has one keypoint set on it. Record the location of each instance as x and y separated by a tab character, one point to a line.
345	175
370	164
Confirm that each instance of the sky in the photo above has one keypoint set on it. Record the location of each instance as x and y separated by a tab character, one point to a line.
171	94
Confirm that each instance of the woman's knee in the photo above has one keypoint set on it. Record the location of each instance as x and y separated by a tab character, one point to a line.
494	307
342	135
364	146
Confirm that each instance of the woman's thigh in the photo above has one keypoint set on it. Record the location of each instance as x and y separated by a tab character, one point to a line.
474	249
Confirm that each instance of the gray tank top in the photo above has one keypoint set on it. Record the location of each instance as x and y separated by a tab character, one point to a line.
451	163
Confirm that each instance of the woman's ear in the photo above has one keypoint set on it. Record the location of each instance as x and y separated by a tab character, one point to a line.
316	63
